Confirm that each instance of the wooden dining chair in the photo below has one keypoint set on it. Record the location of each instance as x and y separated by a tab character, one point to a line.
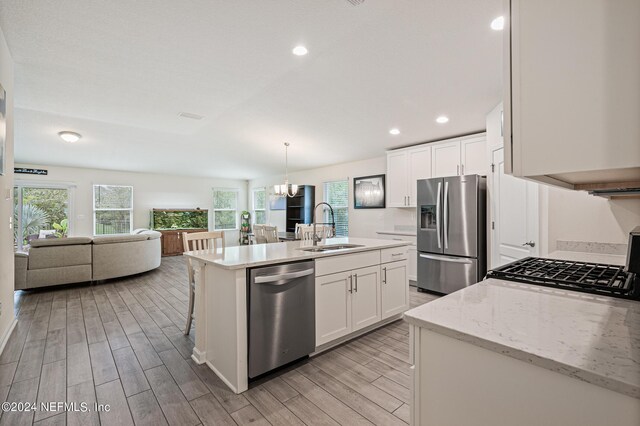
305	232
193	242
271	234
258	233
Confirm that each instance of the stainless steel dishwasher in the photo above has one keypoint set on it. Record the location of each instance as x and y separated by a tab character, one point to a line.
281	315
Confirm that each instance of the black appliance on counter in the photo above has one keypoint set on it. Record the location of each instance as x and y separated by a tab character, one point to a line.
588	277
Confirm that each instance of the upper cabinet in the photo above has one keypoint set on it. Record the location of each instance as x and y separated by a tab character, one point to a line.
404	168
573	92
445	160
466	155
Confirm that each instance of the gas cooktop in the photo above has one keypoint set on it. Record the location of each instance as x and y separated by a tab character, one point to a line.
595	278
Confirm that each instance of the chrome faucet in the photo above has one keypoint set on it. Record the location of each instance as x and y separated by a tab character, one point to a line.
316	238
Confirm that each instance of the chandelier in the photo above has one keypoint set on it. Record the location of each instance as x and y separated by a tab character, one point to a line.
282	190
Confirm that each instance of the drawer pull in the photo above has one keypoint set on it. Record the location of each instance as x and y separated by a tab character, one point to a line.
397	254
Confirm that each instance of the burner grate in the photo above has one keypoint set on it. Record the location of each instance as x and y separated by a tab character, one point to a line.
599	278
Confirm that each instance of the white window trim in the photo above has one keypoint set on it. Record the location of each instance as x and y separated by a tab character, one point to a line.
253	203
130	210
69	186
214	209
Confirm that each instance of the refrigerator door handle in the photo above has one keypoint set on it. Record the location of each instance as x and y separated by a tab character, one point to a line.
438	215
447	258
445	231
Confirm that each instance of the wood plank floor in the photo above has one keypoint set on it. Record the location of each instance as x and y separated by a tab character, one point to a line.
120	343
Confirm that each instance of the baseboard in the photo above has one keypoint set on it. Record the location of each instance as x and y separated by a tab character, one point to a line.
6	336
224	379
198	357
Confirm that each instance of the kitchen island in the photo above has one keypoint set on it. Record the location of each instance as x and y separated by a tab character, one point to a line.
506	353
381	295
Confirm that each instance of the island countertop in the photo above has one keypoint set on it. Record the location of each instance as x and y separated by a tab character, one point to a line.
239	257
592	338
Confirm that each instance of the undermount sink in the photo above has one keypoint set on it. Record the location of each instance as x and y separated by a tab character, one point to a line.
331	247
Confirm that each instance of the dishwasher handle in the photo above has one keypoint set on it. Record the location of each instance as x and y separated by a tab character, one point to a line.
281	279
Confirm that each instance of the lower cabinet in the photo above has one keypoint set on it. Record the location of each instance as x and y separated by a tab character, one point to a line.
394	288
346	302
365	297
171	240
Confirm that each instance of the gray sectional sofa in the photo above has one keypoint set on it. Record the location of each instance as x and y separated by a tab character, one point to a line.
79	259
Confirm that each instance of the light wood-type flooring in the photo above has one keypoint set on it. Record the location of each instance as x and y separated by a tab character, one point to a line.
120	343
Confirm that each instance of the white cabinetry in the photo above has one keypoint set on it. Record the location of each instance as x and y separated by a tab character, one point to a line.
395	292
365	297
404	168
571	92
333	307
466	155
349	296
397	179
412	251
473	156
445	160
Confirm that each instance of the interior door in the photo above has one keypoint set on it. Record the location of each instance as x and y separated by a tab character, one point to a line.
419	168
333	307
514	215
445	159
365	299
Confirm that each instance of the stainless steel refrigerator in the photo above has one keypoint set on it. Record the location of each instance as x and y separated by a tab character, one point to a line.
452	249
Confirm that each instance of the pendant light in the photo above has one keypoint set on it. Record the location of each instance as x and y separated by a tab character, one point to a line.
283	190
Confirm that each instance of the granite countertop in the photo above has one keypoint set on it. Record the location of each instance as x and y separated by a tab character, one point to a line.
592	338
239	257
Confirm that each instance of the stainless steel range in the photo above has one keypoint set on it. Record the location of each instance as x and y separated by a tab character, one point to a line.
595	278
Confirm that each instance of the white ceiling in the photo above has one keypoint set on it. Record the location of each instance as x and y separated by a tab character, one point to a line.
119	72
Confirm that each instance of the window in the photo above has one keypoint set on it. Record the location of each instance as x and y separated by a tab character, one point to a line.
112	209
225	205
40	211
337	194
259	203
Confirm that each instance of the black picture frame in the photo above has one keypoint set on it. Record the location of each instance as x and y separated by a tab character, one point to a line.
370	200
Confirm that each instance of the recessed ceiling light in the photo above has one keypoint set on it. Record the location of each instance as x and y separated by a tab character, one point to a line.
394	131
498	23
300	51
70	136
442	119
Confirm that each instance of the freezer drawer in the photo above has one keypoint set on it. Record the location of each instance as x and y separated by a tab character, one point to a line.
446	274
281	315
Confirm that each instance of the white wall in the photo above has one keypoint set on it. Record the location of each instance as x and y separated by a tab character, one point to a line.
149	191
362	222
6	206
578	216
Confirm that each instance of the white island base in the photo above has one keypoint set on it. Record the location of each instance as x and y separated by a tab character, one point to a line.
458	383
342	313
503	353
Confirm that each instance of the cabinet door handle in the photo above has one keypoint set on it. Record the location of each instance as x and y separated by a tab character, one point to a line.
408	200
384	275
355	282
462	169
350	289
458	169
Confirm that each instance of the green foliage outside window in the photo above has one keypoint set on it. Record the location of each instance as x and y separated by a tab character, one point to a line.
177	219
